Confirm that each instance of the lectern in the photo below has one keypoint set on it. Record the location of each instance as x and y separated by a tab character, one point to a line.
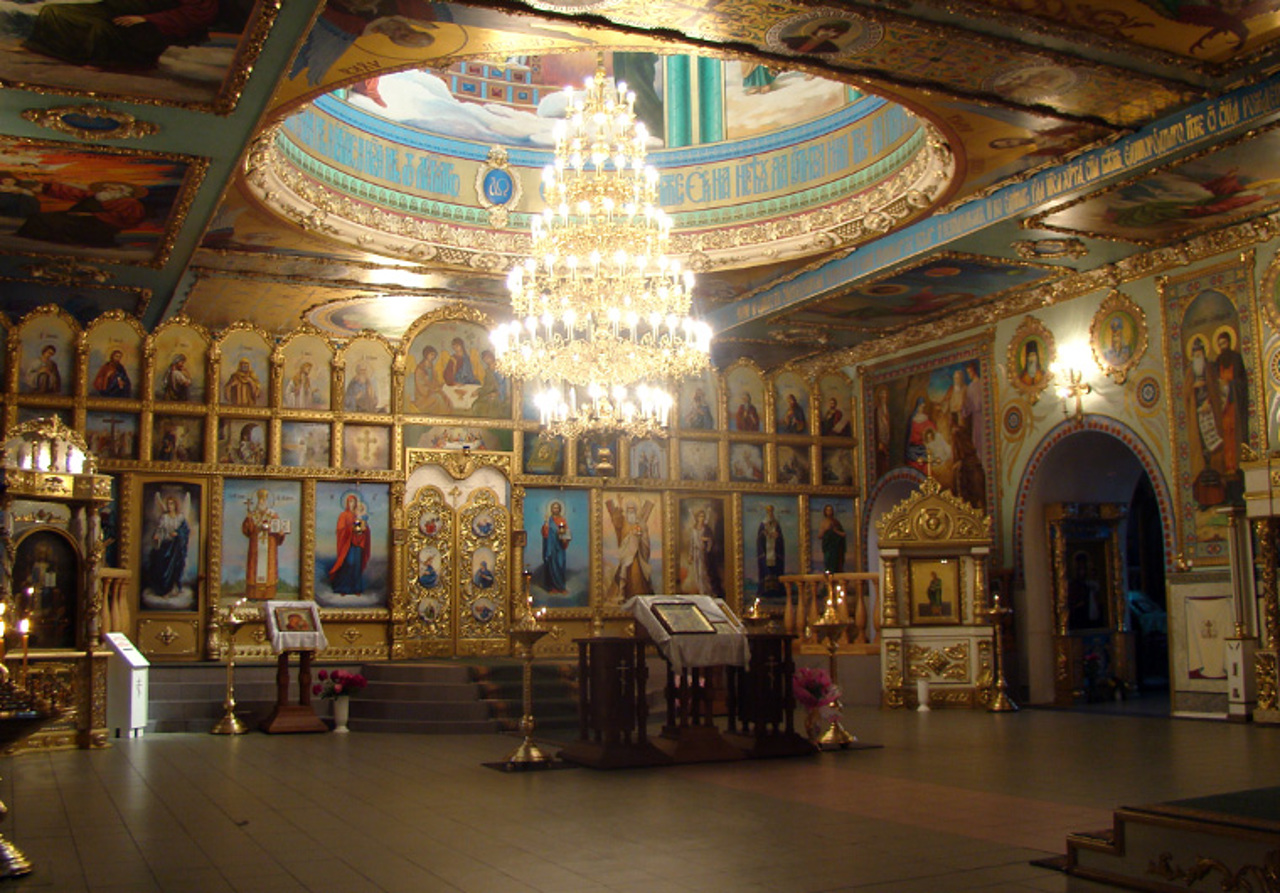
694	633
762	701
612	711
294	626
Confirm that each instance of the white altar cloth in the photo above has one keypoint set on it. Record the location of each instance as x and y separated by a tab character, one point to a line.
726	645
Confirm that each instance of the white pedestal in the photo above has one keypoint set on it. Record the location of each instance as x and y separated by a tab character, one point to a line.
128	684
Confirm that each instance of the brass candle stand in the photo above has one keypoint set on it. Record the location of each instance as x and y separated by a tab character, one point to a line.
829	629
1000	701
526	633
230	724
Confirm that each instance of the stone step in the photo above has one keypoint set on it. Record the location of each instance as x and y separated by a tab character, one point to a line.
435	673
425	697
426	726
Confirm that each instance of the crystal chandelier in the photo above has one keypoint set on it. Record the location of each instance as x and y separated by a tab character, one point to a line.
602	317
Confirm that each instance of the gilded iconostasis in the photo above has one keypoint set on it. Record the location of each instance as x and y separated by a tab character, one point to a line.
253	255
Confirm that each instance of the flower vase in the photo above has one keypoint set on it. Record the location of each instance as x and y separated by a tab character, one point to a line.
813	724
341	710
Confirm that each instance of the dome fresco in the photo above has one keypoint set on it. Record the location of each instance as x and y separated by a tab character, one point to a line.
748	155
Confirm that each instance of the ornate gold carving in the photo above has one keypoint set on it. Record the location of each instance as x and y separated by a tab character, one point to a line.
459	464
167	636
68	272
1136	266
1033	249
307	200
1265	673
428	612
890	610
350	635
932	516
127	127
1265	876
948	662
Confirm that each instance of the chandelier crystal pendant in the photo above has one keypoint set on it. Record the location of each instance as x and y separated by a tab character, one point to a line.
603	319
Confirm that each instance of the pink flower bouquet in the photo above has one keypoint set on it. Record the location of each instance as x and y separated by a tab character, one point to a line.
338	683
814	688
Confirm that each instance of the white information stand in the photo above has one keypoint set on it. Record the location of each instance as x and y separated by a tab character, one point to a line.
128	684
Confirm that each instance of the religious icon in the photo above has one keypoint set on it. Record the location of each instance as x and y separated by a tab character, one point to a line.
366	447
830	521
112	379
935	591
702	546
242	387
45	570
557	524
351	564
632	554
697	400
1027	361
170	547
178	439
176	380
1118	335
745	387
265	530
352	541
770	545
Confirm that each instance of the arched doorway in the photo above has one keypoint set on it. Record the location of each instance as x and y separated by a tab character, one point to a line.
1097	460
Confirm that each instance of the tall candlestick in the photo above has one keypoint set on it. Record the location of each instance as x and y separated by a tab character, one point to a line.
24	627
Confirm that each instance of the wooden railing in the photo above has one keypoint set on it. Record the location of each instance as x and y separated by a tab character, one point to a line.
856	603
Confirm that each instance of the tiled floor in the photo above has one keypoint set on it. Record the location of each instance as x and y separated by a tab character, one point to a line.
954	800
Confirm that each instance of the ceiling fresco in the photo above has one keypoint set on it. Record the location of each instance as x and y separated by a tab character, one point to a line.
1012	123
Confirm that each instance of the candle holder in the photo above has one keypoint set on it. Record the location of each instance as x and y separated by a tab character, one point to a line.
230	724
526	633
828	630
757	620
1000	701
24	628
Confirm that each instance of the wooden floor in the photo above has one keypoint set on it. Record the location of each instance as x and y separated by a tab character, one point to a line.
954	800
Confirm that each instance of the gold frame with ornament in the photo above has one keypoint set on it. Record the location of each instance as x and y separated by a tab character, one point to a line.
1029	330
1115	305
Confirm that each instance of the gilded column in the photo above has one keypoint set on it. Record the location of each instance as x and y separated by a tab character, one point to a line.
889	611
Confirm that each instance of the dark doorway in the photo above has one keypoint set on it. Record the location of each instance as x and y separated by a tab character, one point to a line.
1145	591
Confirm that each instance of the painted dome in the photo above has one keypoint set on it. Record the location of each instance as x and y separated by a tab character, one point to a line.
756	164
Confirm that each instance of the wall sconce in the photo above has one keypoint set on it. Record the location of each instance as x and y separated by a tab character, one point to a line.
1068	369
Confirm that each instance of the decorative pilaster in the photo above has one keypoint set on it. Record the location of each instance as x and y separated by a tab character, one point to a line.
1265	661
888	567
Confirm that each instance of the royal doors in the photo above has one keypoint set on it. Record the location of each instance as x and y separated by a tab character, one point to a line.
456	557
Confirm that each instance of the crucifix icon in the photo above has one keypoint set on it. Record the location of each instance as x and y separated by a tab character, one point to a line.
116	446
367	440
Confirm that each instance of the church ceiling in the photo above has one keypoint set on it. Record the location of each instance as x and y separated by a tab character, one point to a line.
1074	133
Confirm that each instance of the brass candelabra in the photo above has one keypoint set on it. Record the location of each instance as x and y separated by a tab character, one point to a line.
230	724
526	633
1000	700
829	629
